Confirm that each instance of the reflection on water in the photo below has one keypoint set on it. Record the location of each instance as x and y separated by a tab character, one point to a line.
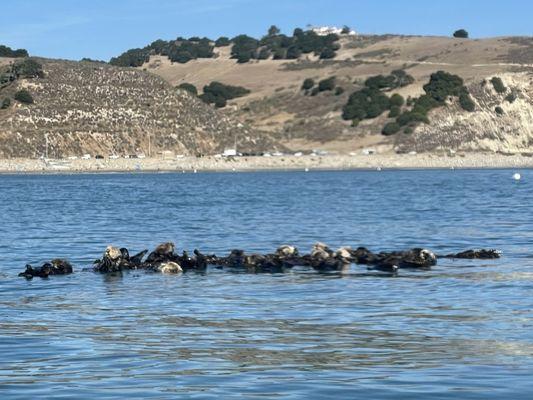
460	330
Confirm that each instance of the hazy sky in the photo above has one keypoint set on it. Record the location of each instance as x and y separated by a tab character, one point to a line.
104	28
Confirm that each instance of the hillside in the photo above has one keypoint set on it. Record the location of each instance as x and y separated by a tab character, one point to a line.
277	105
84	107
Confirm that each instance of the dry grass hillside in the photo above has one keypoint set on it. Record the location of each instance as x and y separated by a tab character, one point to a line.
277	105
98	109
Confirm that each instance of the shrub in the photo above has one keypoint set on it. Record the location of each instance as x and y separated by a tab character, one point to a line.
466	102
326	84
396	100
345	30
28	68
391	128
397	78
365	103
461	33
315	91
327	53
511	97
394	112
222	41
408	130
23	96
244	48
410	117
355	122
498	85
6	103
189	87
499	110
293	53
339	90
131	58
308	84
9	52
442	84
218	93
402	78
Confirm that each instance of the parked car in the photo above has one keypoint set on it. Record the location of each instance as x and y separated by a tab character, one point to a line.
99	157
141	155
113	156
86	157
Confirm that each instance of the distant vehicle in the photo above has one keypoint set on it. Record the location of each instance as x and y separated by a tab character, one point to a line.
86	157
298	154
113	156
133	156
141	155
277	154
72	157
99	157
229	153
368	152
180	155
267	155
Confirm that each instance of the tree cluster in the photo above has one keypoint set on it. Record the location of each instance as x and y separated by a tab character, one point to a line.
370	102
189	87
498	85
218	93
283	47
180	50
6	51
24	96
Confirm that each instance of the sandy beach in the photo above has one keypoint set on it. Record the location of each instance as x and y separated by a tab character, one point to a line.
329	162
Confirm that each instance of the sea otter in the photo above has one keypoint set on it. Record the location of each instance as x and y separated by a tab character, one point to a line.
55	267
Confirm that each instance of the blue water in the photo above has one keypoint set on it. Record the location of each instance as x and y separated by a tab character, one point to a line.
462	330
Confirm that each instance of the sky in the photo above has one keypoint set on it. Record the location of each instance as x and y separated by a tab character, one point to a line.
101	29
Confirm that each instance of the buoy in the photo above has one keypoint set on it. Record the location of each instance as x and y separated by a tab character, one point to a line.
195	171
517	176
307	170
378	169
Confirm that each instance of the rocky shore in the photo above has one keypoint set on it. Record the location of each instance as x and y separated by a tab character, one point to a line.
281	163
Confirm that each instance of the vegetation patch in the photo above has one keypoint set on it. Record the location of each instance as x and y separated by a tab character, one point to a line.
189	87
6	51
498	85
218	93
23	96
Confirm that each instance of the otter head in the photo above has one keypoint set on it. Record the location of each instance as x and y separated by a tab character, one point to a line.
165	248
287	251
113	253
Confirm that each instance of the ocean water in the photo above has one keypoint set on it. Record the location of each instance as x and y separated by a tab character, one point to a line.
462	330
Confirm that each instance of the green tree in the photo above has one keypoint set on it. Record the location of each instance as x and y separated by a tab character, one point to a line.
499	110
391	128
222	41
466	102
498	85
23	96
326	84
396	100
308	84
461	33
273	30
189	87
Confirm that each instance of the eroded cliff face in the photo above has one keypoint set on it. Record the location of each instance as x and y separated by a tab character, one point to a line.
98	109
507	130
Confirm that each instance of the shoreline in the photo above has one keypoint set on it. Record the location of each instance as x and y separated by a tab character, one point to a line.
279	163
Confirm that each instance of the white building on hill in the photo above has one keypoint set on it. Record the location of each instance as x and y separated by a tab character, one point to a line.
327	30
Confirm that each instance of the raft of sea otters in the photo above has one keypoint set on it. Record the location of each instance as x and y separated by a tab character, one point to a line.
321	258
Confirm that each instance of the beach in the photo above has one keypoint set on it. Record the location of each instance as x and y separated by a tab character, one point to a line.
260	163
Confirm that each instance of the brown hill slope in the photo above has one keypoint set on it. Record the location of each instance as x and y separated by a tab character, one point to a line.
98	109
276	103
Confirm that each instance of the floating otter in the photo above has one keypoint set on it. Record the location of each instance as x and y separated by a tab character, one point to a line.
55	267
481	254
116	260
170	267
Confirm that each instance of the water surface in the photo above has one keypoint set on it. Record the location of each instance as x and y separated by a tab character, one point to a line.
461	330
